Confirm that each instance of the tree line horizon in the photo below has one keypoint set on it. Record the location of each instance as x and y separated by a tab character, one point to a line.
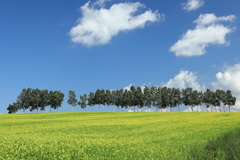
158	97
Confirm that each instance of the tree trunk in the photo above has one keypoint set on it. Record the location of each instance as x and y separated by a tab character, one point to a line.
179	108
229	108
192	109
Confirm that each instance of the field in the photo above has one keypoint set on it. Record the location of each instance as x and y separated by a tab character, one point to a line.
109	135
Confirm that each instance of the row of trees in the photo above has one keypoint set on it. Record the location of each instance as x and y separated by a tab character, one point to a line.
158	97
35	99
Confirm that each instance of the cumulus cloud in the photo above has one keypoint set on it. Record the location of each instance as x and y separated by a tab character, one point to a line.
229	80
98	26
192	4
183	80
129	86
207	31
195	109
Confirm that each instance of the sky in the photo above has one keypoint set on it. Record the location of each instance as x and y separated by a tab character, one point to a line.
113	44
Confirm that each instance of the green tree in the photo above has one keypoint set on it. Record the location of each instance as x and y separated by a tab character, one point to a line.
220	98
165	96
91	99
196	98
108	98
35	99
119	98
175	98
133	97
13	108
72	99
139	98
113	98
208	98
127	98
83	101
44	99
147	97
153	96
98	98
187	96
158	96
24	99
229	100
55	99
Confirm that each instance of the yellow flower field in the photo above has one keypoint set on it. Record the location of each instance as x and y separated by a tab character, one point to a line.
109	135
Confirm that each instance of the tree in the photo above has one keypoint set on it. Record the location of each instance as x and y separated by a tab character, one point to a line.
60	98
23	100
133	97
175	98
126	98
44	99
153	96
196	98
113	98
220	96
165	96
147	97
108	98
35	99
99	98
13	108
55	99
119	98
187	97
158	96
72	99
139	98
229	99
208	98
82	102
91	99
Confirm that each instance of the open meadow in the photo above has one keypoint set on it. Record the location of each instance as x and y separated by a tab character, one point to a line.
109	135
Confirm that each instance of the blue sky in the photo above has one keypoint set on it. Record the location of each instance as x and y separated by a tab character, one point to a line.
111	44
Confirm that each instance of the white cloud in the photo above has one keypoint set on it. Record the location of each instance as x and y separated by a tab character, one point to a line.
128	87
183	80
98	26
195	109
100	3
193	4
208	31
230	80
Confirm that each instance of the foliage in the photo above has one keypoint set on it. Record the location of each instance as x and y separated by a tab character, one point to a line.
159	97
72	99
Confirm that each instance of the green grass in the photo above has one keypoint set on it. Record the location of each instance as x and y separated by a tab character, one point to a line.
110	135
223	147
